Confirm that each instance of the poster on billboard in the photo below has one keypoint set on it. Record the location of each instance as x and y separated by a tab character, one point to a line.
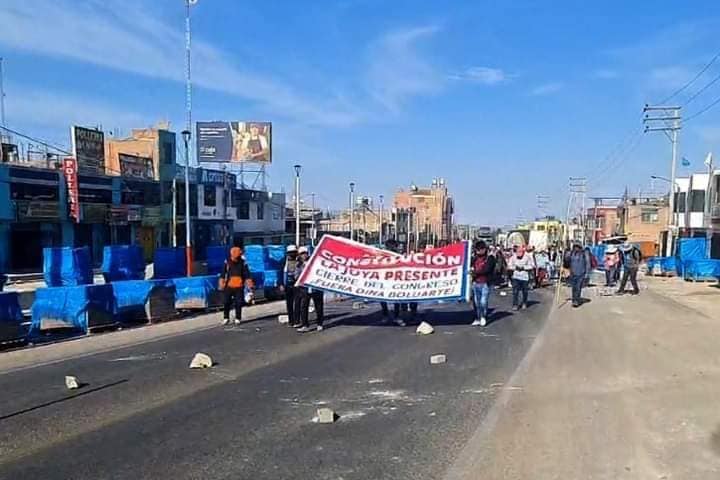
234	142
88	147
350	268
70	171
135	166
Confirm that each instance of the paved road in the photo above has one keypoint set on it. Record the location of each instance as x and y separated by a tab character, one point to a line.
144	414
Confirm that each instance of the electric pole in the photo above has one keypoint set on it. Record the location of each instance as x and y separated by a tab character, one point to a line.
577	187
667	119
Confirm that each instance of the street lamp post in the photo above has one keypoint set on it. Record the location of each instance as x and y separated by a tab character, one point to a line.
352	210
297	168
314	229
380	233
188	245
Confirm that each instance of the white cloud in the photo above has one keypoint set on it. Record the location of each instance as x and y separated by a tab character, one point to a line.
483	75
127	37
44	108
669	77
397	70
547	89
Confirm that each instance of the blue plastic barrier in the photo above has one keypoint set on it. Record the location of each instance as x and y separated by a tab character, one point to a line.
194	292
216	256
132	297
169	262
599	252
701	269
11	318
67	266
690	249
123	262
255	257
271	278
668	264
80	308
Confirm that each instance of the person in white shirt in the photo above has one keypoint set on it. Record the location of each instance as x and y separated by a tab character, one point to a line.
521	265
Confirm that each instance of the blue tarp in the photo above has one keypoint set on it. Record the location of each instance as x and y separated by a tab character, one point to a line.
68	306
272	278
255	257
169	262
216	256
690	249
701	269
652	261
668	264
67	266
123	262
132	293
194	292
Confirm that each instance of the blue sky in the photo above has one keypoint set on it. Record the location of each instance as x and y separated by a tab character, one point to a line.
503	99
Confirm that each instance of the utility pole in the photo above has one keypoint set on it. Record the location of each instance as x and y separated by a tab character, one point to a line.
186	137
314	229
542	205
352	210
576	204
380	232
2	101
667	119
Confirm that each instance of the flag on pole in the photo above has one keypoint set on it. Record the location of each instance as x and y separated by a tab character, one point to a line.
685	162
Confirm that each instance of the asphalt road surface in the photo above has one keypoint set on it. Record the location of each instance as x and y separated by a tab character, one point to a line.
144	414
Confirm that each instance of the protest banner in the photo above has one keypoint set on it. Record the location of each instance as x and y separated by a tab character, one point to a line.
346	267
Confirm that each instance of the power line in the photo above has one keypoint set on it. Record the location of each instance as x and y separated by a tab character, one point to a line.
692	80
702	110
696	94
41	142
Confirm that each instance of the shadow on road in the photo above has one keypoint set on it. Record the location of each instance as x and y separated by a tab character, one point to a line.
63	399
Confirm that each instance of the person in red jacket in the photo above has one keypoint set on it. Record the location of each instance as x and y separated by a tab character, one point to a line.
483	266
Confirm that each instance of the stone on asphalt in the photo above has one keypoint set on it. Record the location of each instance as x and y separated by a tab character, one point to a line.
325	415
357	305
439	358
201	360
71	382
283	319
424	329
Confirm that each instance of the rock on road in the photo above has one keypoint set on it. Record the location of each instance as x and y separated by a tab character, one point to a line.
144	414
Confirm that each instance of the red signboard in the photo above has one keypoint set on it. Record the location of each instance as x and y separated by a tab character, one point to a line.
71	177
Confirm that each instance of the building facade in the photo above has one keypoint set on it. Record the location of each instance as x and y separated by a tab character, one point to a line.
425	215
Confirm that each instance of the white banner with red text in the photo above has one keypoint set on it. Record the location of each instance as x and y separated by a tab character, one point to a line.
347	267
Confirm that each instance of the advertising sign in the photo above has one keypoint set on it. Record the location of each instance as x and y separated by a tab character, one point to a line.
89	150
70	167
350	268
136	167
234	142
212	177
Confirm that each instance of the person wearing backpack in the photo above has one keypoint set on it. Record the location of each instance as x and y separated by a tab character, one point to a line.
483	266
576	262
235	277
633	257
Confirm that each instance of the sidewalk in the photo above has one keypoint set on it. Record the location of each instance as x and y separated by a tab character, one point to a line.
621	388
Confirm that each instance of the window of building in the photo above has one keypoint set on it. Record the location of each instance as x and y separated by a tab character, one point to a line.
243	211
27	191
680	202
209	195
260	210
649	215
541	228
697	201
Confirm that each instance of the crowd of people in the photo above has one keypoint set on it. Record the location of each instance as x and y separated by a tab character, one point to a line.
492	268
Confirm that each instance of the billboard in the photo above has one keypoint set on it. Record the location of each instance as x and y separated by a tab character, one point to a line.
136	166
89	150
71	178
234	142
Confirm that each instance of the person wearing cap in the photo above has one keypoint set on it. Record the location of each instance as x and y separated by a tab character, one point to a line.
576	261
235	277
302	294
483	267
612	259
289	279
633	257
521	264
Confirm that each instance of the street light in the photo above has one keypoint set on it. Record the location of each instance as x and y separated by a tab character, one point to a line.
352	209
297	168
188	246
380	234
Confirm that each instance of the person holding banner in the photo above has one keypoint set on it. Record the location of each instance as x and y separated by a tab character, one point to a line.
483	266
289	278
392	246
302	295
521	265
